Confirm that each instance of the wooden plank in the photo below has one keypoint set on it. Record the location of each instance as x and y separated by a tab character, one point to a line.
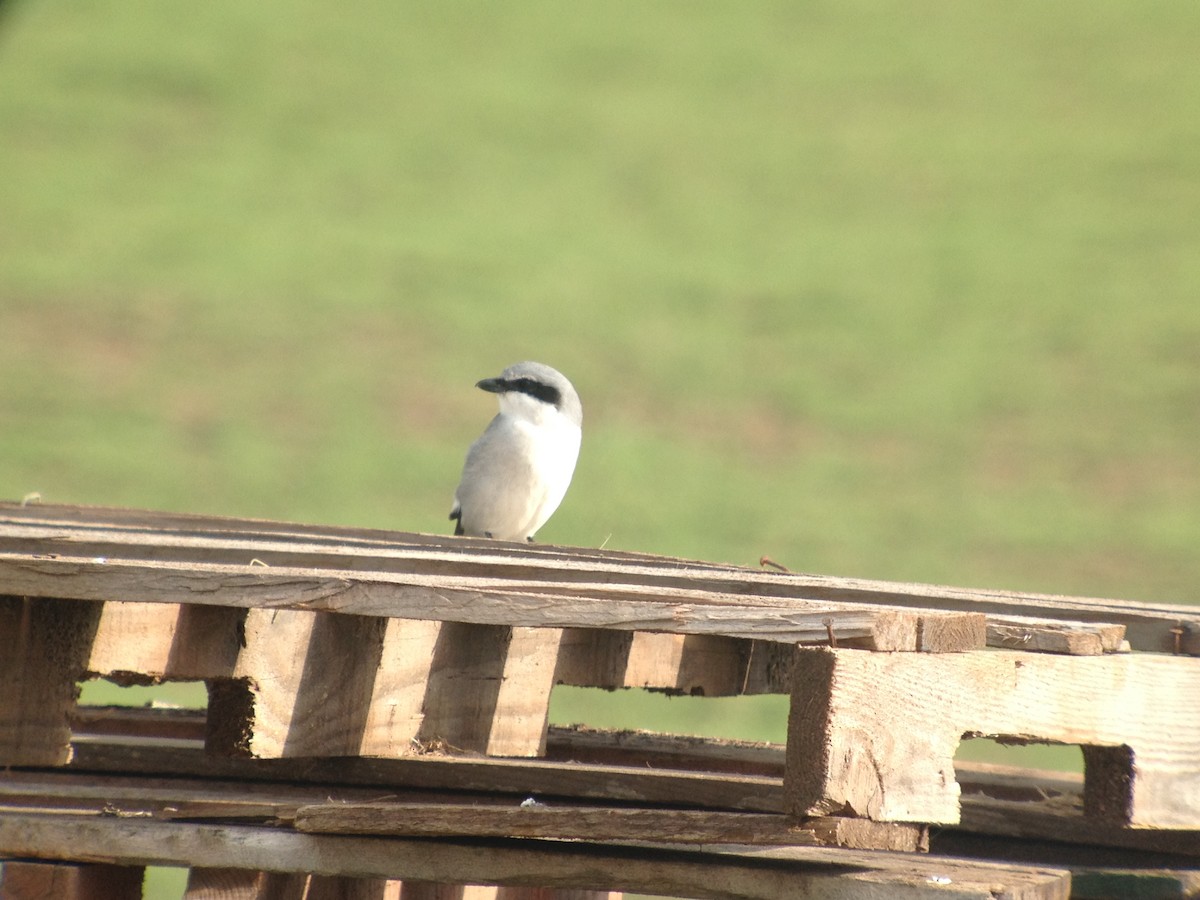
639	780
396	712
527	893
874	735
580	743
154	722
947	633
242	884
522	713
986	822
593	657
262	886
235	884
327	887
428	890
1101	873
301	686
126	799
631	777
1105	861
436	772
1104	883
1038	635
25	880
1156	627
427	692
408	812
156	552
488	690
719	874
995	799
494	601
648	749
651	768
47	643
1043	806
334	887
141	643
183	798
221	884
948	882
697	665
625	751
454	687
596	824
133	641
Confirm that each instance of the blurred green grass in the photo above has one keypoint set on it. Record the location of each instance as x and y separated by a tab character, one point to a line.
895	291
887	290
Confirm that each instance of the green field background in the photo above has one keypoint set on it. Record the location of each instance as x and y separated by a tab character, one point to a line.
890	290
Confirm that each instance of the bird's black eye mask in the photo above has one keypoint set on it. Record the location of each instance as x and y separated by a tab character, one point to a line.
536	389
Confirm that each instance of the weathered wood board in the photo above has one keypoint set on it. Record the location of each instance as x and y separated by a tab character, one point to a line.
434	771
597	767
610	824
28	880
323	645
243	884
719	873
290	682
411	812
875	736
498	602
1038	635
89	534
47	643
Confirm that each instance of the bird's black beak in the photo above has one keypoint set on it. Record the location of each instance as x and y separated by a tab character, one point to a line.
493	385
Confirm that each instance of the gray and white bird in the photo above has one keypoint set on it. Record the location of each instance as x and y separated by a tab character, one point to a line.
518	471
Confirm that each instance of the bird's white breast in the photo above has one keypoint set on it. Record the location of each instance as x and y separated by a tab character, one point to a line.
518	472
552	448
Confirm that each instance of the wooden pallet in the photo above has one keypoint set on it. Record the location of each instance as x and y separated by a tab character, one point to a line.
338	650
109	803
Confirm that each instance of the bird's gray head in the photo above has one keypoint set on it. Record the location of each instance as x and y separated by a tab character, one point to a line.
541	384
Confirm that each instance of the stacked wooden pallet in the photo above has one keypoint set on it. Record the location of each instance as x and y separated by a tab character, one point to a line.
377	722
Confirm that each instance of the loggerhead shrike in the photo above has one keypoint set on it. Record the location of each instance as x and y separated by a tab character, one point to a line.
518	471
